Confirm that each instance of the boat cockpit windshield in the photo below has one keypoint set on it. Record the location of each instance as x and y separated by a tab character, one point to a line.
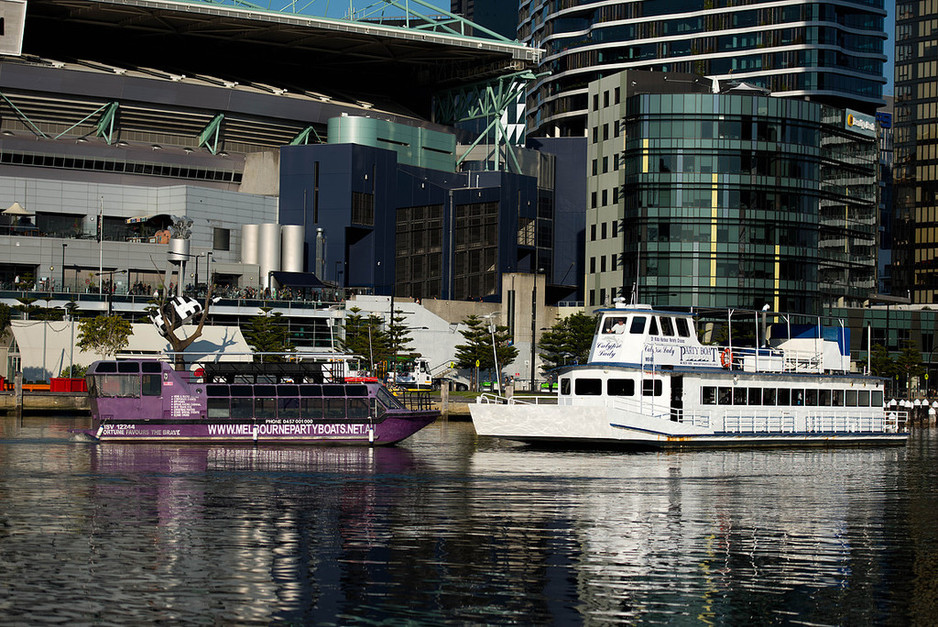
125	379
679	326
388	400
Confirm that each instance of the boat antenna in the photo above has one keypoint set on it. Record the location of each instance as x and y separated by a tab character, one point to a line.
638	266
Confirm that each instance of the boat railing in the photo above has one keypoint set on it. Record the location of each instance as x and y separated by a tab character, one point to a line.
769	421
417	400
489	398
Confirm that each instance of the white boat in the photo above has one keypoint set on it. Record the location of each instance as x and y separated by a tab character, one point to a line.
651	383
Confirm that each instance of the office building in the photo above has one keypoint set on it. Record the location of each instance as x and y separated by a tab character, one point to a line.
830	52
708	195
915	172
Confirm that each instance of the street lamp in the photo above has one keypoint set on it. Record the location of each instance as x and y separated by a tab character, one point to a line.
62	282
498	378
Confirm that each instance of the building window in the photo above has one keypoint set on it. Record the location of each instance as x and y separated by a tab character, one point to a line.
221	239
592	232
604	230
363	209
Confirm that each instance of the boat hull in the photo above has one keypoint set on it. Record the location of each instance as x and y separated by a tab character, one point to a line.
388	431
600	426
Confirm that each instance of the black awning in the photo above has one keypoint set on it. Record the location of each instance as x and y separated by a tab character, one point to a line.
297	279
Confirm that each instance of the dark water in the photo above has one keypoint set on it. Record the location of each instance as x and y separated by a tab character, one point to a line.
451	528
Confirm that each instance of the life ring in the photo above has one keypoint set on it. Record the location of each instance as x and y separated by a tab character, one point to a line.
726	358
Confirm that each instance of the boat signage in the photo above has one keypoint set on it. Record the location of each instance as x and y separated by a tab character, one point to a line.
184	405
700	355
290	429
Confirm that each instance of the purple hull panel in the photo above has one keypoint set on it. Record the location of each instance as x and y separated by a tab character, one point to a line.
388	431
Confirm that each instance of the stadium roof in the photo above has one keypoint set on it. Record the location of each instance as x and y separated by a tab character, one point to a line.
266	45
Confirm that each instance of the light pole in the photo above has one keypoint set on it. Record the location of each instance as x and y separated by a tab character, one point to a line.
498	378
71	307
62	282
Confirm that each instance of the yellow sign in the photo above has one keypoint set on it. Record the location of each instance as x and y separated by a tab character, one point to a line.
477	363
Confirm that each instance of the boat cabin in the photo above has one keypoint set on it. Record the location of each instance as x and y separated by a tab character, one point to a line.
640	335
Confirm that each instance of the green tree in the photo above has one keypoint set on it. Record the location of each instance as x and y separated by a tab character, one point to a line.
909	363
363	336
399	340
267	334
74	371
102	334
478	345
568	341
881	363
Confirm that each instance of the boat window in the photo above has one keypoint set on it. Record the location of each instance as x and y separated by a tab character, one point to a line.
652	327
837	398
333	390
107	366
116	385
683	329
388	400
797	398
310	390
784	396
152	384
620	387
356	390
334	408
151	366
666	327
876	398
216	390
218	408
824	398
810	398
768	396
588	387
357	408
265	391
726	396
651	387
615	324
242	408
755	396
708	395
851	397
740	396
565	387
288	390
265	407
863	398
638	325
242	390
288	407
311	407
128	367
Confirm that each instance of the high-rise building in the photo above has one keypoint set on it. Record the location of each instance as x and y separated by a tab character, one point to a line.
831	52
915	171
706	197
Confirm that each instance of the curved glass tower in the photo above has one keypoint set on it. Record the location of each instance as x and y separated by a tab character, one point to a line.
826	51
727	199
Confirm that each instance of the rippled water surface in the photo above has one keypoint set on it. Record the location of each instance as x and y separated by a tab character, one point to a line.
451	528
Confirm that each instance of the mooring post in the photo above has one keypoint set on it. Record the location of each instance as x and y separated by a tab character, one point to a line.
18	391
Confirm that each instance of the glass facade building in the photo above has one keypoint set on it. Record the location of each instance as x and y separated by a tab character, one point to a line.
915	169
728	199
826	51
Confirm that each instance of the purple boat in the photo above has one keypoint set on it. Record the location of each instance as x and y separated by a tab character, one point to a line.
139	400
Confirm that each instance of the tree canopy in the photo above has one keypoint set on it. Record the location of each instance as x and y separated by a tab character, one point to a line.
103	334
478	345
568	341
267	333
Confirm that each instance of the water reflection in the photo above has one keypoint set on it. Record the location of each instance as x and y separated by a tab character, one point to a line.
453	528
708	534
